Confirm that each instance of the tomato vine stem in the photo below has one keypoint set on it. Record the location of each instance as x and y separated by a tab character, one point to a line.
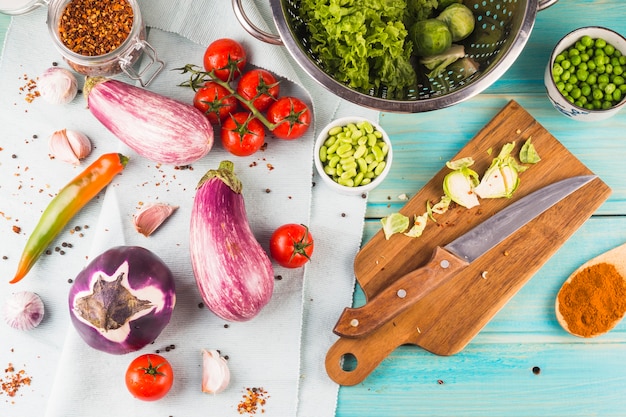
198	78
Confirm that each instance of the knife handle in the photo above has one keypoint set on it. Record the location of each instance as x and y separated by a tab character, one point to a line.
399	295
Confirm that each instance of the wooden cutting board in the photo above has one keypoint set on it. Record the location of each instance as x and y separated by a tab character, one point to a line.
447	319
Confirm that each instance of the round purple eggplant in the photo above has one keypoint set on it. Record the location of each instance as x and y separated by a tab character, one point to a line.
122	300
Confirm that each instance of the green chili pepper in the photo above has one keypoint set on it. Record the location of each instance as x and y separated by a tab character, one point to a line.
66	204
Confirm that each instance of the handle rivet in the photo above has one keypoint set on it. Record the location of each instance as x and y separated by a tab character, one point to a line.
401	293
445	264
354	322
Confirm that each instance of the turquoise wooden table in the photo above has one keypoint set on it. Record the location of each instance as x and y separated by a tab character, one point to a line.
522	363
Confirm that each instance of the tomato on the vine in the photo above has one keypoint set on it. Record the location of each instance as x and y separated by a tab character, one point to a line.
242	134
291	116
260	87
215	101
291	245
149	377
226	58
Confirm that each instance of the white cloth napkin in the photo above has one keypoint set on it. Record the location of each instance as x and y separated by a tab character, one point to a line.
263	352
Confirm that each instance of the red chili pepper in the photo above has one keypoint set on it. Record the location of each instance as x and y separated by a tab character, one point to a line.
66	204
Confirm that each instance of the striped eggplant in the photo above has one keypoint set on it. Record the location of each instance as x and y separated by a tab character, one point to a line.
156	127
233	272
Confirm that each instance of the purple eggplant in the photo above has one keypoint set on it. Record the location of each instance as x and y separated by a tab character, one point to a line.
233	272
122	300
156	127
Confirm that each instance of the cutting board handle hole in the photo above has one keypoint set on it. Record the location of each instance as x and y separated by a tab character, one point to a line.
348	362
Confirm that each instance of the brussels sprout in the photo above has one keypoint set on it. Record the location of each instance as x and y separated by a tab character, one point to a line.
430	37
459	19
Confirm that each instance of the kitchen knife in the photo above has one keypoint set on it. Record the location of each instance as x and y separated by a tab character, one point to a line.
447	261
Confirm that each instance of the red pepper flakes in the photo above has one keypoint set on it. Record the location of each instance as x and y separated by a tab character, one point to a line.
29	88
253	401
13	380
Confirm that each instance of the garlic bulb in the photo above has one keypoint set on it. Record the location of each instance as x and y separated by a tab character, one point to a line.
23	311
215	372
57	85
69	146
151	216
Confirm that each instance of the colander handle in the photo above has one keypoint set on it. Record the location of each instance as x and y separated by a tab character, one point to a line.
251	28
544	4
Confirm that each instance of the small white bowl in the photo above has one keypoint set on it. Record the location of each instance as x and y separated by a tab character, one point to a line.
558	101
328	180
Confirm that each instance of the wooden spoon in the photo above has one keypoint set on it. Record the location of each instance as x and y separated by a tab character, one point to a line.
615	257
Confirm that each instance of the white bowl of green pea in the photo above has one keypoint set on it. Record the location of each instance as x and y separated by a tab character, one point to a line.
353	155
585	77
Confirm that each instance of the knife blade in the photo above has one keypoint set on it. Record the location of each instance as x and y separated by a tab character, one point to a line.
448	260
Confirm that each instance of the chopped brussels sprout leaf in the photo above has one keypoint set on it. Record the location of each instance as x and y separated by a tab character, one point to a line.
439	208
528	154
459	184
419	224
502	178
437	64
394	223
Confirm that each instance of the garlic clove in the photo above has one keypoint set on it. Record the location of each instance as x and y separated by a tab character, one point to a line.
69	146
57	85
23	311
215	372
151	216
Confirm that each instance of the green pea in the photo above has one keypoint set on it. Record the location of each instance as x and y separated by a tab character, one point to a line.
617	95
597	94
586	41
609	49
609	89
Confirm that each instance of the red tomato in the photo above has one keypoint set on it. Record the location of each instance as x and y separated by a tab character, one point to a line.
226	57
291	116
242	134
291	245
149	377
260	87
215	101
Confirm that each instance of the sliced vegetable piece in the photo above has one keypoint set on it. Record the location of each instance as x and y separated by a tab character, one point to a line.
459	184
419	224
122	300
394	223
502	178
439	208
528	154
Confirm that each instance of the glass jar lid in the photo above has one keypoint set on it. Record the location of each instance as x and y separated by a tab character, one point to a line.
17	7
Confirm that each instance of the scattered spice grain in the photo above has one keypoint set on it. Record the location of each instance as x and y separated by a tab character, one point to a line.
253	401
536	370
95	27
14	380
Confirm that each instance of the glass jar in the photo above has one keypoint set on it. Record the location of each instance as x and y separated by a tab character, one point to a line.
120	60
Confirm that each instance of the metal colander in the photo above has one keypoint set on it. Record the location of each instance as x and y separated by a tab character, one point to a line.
502	30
